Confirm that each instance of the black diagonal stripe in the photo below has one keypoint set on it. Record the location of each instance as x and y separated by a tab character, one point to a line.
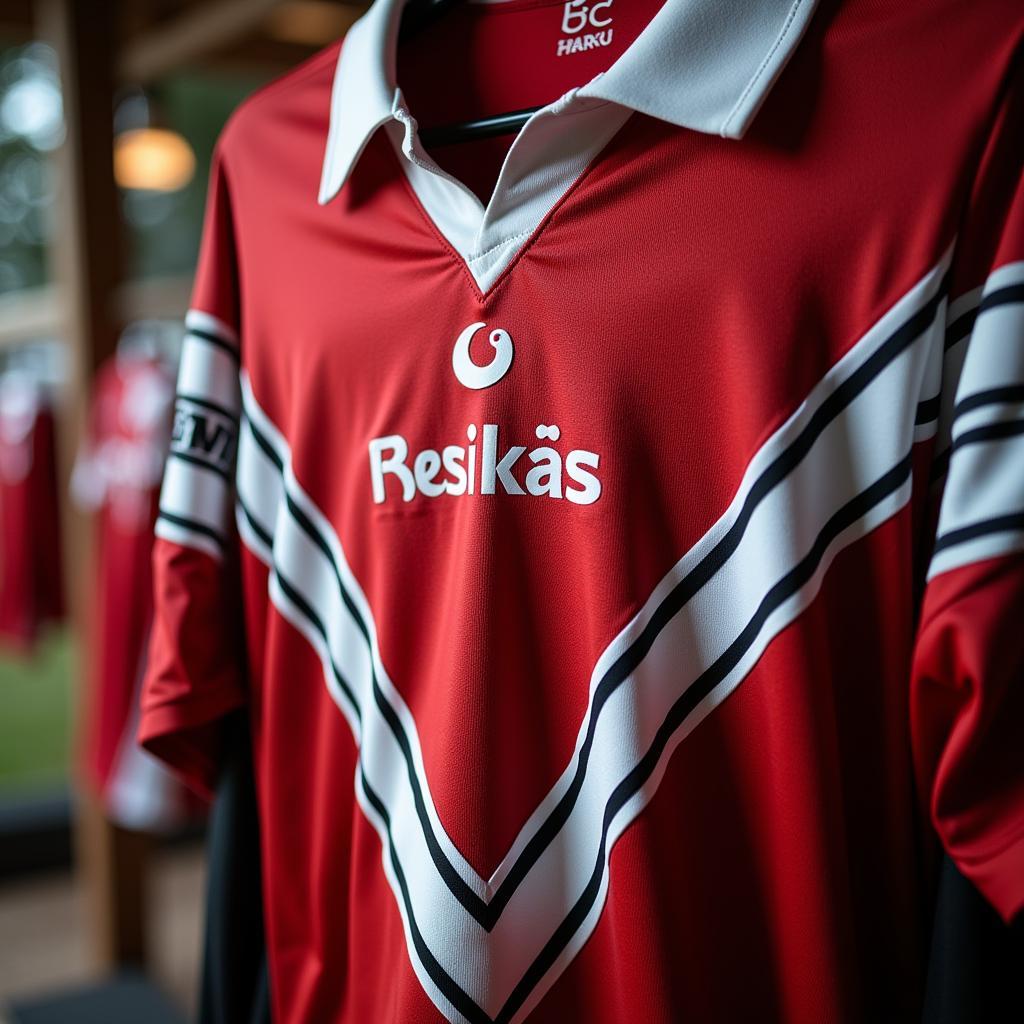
454	881
709	565
940	466
195	460
927	411
487	914
851	513
256	526
999	524
963	325
451	990
448	986
206	403
990	432
831	407
213	339
797	578
304	607
192	524
264	444
992	396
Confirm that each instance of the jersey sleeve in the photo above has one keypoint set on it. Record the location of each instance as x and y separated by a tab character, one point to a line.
195	668
967	688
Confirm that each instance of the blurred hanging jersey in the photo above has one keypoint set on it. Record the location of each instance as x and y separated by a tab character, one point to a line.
117	476
31	583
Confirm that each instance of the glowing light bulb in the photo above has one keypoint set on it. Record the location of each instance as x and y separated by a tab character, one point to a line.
154	159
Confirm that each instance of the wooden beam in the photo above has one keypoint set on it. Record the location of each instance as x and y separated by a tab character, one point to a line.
190	37
268	35
86	251
112	864
36	314
30	315
86	255
16	21
311	23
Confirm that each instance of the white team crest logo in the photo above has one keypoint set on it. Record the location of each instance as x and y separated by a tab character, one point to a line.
468	372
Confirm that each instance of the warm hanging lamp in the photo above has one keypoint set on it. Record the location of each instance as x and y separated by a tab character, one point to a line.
147	156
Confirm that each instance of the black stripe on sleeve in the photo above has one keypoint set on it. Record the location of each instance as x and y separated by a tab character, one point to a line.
206	403
1002	297
990	432
214	340
963	325
194	525
999	524
199	463
993	396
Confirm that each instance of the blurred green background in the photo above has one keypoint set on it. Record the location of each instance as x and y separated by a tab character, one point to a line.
162	229
36	702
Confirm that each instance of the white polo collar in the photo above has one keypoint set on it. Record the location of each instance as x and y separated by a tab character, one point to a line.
706	65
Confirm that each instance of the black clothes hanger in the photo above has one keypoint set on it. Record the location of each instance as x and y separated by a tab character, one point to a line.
416	16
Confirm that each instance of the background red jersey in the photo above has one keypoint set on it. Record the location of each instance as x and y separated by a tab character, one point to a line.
31	579
117	477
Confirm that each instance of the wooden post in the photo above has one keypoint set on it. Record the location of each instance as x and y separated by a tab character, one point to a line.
112	870
86	259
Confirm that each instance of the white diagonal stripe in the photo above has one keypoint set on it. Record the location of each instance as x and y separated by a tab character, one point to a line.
892	416
262	497
865	441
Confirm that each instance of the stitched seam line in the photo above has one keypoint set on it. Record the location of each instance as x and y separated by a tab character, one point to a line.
764	63
557	205
594	104
499	245
453	255
460	262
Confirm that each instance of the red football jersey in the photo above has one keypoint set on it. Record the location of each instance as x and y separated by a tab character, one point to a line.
117	477
31	578
616	537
